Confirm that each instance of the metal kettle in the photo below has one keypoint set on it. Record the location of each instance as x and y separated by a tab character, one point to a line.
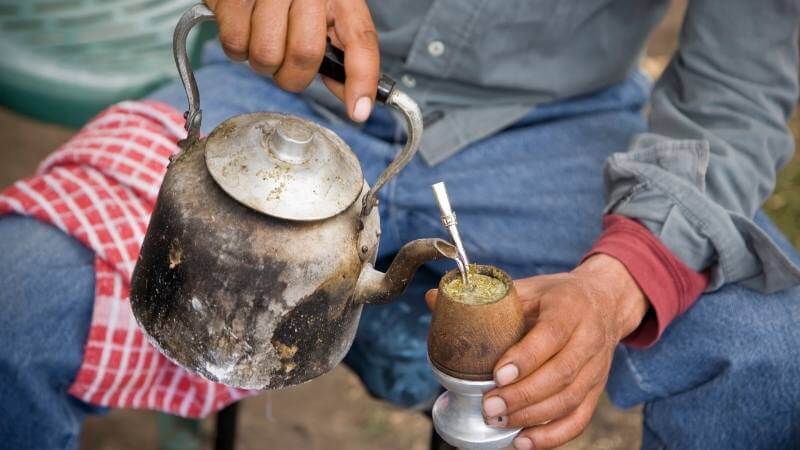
259	254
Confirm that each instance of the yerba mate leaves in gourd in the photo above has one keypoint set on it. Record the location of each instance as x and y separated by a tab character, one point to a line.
482	289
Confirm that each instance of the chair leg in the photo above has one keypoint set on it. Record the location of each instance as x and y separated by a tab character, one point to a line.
178	433
226	428
437	443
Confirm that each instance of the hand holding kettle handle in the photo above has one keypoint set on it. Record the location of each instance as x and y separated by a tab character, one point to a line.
332	66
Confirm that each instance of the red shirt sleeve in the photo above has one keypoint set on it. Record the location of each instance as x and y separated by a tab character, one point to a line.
670	286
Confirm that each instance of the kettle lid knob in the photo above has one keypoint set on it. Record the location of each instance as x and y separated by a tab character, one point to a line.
291	141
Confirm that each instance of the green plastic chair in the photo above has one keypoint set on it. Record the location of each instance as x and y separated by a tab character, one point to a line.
64	60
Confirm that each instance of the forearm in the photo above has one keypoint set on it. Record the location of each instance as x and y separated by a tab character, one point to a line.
626	302
718	136
669	285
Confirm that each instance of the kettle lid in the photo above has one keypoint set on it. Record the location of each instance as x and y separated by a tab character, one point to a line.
284	166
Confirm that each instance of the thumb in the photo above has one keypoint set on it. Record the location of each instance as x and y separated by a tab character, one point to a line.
430	298
530	291
532	287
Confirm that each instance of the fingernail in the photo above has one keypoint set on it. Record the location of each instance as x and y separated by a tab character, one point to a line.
523	443
506	374
362	109
494	407
497	422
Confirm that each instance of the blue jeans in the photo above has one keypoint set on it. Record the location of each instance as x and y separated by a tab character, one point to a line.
529	200
46	299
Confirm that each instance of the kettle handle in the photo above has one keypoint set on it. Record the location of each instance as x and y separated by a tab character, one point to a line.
332	66
196	14
402	102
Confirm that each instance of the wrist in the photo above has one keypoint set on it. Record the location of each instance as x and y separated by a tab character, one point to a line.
626	299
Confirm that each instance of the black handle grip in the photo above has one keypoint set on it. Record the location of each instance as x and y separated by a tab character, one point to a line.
333	67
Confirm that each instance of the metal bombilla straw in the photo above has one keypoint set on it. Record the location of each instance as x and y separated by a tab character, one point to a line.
450	223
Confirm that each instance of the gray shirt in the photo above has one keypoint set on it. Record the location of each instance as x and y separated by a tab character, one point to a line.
718	115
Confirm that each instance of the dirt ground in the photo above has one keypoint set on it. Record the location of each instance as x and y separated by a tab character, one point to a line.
333	412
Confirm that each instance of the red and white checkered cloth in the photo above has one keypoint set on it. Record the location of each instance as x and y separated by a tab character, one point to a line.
101	187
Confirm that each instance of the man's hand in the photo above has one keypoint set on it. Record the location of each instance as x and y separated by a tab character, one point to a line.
549	383
286	39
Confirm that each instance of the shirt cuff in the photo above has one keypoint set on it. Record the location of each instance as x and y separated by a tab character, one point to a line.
671	287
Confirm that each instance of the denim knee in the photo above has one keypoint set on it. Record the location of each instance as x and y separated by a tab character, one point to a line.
46	300
724	375
48	287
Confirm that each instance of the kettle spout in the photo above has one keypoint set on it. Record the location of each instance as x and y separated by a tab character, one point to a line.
376	287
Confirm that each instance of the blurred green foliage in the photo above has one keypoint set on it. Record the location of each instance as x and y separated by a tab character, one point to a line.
784	205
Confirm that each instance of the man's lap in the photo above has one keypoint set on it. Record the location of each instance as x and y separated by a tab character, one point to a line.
529	200
729	364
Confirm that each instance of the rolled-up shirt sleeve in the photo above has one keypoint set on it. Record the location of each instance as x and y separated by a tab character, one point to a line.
717	137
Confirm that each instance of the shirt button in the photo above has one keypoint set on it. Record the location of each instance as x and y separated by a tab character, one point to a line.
436	48
408	80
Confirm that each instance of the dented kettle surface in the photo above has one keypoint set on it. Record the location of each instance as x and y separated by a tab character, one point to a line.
241	297
232	288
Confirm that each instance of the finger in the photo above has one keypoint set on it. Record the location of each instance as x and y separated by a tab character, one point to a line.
529	290
357	34
551	378
332	32
268	35
535	286
430	298
547	337
561	431
528	287
305	45
233	17
335	87
562	403
212	4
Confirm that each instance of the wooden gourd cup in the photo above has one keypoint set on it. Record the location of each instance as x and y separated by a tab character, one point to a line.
464	343
466	340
